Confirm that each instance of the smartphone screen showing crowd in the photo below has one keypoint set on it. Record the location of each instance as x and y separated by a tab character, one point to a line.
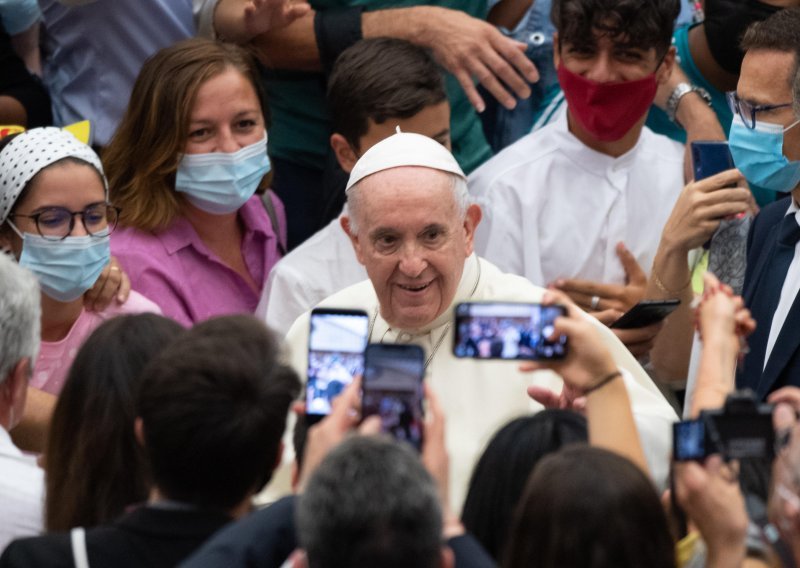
392	390
336	343
508	331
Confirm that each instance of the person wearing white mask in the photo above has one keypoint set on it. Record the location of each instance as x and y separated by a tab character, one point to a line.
55	220
185	166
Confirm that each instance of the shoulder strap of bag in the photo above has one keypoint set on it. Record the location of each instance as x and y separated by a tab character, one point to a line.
269	206
77	537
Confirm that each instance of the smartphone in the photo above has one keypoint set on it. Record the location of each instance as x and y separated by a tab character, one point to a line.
336	342
710	158
646	312
689	441
506	330
392	389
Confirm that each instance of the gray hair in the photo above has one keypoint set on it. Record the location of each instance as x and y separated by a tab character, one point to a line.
19	315
460	194
370	503
796	93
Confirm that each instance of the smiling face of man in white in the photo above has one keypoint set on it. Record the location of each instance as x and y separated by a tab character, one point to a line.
413	241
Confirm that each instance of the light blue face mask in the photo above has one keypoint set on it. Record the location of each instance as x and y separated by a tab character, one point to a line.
67	268
221	183
758	154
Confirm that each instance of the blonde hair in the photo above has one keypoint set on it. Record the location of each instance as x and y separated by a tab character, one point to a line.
143	156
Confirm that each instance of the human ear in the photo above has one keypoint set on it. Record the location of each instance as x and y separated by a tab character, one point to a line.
664	71
471	221
138	430
345	154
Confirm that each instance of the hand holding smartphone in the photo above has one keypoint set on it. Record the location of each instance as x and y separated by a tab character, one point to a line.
392	390
646	312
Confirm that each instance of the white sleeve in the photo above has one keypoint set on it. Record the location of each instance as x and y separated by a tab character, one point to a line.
284	299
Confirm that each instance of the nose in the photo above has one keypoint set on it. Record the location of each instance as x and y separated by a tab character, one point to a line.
227	143
602	69
412	262
78	228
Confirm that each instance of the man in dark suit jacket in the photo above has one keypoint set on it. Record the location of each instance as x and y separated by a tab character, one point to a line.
765	143
211	413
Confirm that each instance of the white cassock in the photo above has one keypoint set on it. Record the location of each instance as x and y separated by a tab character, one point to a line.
554	208
481	396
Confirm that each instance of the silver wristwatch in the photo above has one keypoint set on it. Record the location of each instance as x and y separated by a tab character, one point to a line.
677	94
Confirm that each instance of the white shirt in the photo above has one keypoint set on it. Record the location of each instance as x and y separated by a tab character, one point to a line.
21	493
789	291
481	396
554	208
318	268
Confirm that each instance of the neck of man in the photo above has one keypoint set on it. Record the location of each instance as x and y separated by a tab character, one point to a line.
615	148
241	509
796	195
59	317
706	64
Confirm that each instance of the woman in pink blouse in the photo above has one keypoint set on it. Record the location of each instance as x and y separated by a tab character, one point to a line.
185	166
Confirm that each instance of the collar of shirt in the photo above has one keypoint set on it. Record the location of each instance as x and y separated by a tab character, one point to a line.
470	280
181	233
7	446
592	161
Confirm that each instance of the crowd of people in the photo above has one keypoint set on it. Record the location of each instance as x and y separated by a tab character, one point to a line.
163	401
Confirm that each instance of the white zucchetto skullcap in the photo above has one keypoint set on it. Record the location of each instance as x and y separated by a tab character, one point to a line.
404	149
32	151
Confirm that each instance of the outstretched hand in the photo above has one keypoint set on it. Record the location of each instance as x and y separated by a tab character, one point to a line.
472	49
261	16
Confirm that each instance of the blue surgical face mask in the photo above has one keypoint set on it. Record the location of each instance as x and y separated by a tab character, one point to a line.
66	268
221	183
758	154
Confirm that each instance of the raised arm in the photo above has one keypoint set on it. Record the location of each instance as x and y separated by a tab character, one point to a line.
589	371
467	47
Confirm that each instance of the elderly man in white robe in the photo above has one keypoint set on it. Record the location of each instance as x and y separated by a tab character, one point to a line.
412	225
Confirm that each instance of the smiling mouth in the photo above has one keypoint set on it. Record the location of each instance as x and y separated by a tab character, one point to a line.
415	288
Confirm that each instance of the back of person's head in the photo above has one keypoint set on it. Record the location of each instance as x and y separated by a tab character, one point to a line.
370	503
20	313
142	158
641	25
380	79
213	408
94	466
588	507
499	477
779	32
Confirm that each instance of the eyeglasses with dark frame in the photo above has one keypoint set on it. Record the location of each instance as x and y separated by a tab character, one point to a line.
748	111
57	223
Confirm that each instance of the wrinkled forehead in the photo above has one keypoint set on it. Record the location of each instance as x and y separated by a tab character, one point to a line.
400	182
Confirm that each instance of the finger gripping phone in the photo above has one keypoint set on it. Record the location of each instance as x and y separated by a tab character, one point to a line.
646	312
507	330
336	342
392	389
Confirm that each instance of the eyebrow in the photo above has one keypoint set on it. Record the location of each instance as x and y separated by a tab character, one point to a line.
445	132
376	234
433	226
239	114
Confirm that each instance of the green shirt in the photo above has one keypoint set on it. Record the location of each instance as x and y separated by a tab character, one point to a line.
301	129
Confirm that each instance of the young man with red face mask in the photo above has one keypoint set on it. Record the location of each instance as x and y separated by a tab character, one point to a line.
581	202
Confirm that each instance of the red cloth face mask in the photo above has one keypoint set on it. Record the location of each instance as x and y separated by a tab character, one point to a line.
607	110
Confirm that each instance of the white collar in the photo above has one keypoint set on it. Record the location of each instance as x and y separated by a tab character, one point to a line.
591	160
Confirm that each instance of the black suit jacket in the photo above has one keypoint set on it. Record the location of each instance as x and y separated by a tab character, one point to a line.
265	539
146	537
783	367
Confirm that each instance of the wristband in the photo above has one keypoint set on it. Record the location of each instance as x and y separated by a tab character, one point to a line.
602	382
678	93
335	31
